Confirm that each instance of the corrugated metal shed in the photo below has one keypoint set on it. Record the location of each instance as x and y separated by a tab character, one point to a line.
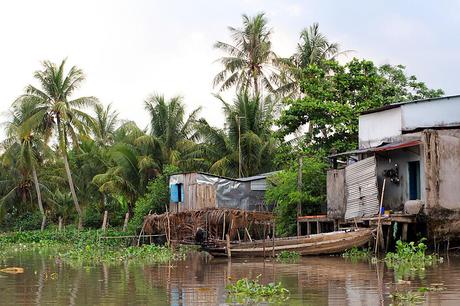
361	189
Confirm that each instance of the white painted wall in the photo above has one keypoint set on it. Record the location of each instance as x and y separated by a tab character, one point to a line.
442	112
377	127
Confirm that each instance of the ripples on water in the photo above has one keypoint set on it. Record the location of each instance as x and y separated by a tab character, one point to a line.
201	281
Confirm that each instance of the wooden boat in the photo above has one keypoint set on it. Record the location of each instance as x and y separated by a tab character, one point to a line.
326	243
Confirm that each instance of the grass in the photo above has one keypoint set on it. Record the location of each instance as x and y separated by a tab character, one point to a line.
86	246
248	291
288	257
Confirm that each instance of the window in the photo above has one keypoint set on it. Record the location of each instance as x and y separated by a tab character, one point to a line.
414	180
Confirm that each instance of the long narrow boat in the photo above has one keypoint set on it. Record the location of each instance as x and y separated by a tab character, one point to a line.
327	243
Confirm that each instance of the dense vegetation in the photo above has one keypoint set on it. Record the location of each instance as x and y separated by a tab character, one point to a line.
72	157
86	246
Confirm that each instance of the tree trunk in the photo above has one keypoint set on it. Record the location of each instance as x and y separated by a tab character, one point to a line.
72	190
39	197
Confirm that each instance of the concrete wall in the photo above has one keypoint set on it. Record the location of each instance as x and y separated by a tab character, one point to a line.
437	113
397	194
336	194
377	127
442	168
442	172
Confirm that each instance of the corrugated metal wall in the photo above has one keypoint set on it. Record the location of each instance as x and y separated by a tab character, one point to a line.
361	189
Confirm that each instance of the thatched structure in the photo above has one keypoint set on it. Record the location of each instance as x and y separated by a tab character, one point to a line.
214	222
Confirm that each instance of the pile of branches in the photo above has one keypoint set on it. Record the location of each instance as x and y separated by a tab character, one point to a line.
214	222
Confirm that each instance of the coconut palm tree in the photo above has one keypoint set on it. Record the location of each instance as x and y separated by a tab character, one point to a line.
313	48
171	131
106	121
124	178
25	145
58	113
248	128
249	63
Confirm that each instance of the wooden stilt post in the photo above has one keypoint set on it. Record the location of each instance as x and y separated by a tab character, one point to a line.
318	227
404	231
104	221
387	244
125	224
273	241
60	223
264	238
299	189
223	228
379	224
308	228
229	252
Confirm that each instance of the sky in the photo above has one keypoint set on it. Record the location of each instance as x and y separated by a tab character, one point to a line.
132	49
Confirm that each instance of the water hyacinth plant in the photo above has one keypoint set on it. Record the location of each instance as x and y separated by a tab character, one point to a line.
356	253
87	247
252	291
288	256
410	258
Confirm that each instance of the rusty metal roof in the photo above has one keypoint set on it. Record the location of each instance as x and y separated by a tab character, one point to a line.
381	148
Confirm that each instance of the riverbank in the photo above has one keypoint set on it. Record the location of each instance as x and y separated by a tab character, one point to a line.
87	246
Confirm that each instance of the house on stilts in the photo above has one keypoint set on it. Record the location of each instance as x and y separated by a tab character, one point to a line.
408	157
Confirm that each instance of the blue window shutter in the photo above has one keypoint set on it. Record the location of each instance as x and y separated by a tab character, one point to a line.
182	198
174	193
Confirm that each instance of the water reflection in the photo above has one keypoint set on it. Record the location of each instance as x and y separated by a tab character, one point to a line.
201	281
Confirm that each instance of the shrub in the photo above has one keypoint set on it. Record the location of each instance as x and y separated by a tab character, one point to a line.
155	198
283	191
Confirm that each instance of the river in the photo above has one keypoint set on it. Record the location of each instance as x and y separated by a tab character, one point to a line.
200	280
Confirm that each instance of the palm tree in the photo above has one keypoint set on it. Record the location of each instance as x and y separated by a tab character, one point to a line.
124	178
249	63
58	113
248	127
313	48
24	145
171	131
106	121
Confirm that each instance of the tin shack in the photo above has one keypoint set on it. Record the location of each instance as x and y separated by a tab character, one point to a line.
414	147
198	190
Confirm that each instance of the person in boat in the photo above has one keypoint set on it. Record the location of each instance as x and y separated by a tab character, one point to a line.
201	235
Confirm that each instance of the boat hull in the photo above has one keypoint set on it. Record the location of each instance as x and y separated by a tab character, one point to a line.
327	243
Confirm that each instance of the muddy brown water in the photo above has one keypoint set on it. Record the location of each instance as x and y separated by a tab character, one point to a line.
201	281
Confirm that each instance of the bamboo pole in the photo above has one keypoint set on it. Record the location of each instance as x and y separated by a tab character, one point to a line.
379	225
273	241
247	232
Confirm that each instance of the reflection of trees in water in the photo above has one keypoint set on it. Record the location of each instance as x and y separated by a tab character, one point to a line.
315	280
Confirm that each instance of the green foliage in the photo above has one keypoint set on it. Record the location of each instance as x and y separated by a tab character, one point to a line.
288	256
333	95
356	253
248	121
252	291
155	199
407	298
284	194
409	258
86	246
